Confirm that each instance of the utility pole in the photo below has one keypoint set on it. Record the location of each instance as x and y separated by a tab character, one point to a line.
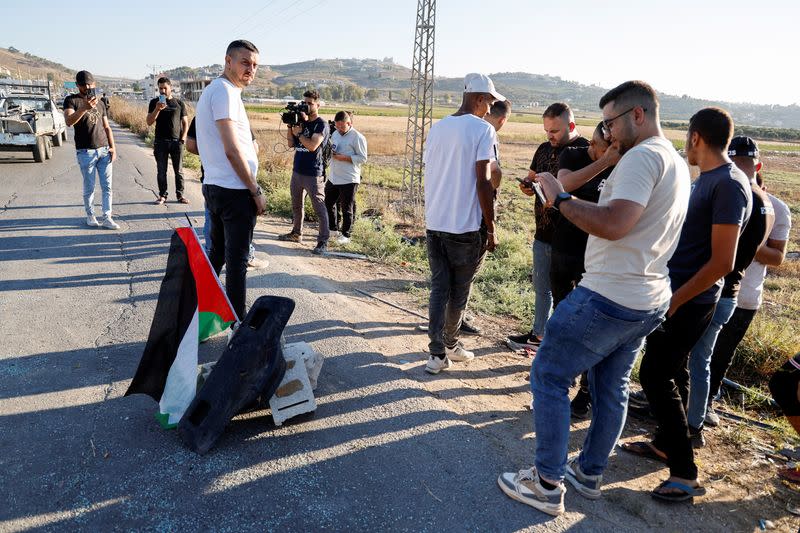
420	105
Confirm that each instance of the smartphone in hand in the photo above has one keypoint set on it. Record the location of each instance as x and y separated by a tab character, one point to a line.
91	93
162	98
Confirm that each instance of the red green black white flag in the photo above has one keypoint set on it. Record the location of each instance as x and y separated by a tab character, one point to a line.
192	306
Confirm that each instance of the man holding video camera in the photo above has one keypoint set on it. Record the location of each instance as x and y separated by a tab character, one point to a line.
307	136
94	145
172	124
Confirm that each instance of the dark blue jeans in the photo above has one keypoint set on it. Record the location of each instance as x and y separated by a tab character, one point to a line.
163	150
233	217
455	259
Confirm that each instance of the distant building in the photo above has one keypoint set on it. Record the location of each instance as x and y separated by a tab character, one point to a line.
192	89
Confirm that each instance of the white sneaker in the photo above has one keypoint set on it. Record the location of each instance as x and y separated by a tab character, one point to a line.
92	221
524	487
342	240
109	223
436	365
588	486
458	354
256	264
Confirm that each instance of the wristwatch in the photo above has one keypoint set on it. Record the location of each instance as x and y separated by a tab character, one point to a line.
561	197
258	192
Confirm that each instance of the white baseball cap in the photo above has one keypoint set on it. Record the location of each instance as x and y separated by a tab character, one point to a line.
481	83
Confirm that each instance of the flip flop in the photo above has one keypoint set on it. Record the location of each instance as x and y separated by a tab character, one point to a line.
686	492
642	449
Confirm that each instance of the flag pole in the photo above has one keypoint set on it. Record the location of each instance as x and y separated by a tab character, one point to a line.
205	254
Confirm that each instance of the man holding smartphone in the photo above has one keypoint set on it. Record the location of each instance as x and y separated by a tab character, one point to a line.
172	124
94	145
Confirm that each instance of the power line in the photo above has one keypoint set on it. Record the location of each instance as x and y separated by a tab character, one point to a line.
251	17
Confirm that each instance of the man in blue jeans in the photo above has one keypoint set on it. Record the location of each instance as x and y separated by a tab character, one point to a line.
622	297
94	145
559	125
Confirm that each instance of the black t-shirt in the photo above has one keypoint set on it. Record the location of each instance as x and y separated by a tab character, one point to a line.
567	237
168	121
305	162
751	238
89	131
719	196
545	159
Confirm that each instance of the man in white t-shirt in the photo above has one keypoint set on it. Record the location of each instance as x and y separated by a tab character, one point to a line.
459	195
230	164
623	297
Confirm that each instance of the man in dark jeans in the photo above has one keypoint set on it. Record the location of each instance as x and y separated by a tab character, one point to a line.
458	196
719	208
172	124
230	164
344	174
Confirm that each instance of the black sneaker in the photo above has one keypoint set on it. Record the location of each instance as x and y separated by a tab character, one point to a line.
321	249
581	405
696	436
526	341
639	398
469	327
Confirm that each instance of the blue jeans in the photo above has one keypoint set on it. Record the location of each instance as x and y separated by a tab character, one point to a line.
541	286
586	332
89	161
700	362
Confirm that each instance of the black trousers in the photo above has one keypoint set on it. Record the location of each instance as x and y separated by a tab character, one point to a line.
566	271
163	149
233	217
340	200
729	338
663	366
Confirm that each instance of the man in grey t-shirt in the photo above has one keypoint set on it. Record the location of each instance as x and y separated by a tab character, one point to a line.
344	174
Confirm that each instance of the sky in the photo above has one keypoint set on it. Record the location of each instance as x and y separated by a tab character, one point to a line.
737	51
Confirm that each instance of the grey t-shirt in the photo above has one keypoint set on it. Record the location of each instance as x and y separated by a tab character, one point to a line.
719	196
352	144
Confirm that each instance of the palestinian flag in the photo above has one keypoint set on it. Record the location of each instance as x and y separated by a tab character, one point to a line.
191	308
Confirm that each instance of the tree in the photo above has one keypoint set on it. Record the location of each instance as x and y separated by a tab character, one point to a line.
371	94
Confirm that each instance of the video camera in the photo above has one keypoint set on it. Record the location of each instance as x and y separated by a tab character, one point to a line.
291	114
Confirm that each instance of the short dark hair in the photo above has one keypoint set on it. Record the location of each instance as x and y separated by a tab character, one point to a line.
559	109
342	115
714	125
633	93
164	79
311	93
599	130
240	43
501	108
84	77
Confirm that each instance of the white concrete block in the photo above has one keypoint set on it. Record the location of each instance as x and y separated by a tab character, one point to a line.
294	395
313	360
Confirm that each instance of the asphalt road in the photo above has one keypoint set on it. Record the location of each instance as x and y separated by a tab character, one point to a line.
382	452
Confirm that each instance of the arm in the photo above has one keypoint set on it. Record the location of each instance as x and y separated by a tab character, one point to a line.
72	116
184	127
575	179
486	199
153	115
236	157
724	240
290	136
611	221
191	145
771	253
497	174
311	144
110	135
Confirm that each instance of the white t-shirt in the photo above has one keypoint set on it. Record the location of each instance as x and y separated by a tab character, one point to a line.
453	146
632	271
751	287
223	100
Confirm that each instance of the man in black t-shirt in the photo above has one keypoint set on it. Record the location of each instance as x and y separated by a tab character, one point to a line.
94	145
559	125
308	139
172	123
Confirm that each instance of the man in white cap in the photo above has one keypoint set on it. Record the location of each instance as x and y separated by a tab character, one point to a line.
458	196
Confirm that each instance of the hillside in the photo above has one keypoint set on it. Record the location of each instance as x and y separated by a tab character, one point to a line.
17	64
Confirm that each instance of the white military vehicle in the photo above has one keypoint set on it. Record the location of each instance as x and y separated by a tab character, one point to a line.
30	121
